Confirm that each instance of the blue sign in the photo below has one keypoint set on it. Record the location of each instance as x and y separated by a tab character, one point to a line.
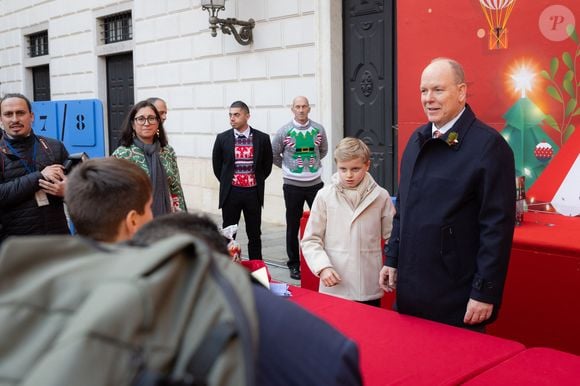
78	124
45	119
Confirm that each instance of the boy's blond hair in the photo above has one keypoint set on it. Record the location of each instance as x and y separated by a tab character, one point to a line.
351	148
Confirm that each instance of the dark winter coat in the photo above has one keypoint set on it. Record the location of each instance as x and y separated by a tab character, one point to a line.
453	229
19	211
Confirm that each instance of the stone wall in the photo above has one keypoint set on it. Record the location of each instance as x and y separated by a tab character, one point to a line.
176	58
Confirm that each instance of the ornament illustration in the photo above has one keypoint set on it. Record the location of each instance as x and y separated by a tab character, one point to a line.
543	151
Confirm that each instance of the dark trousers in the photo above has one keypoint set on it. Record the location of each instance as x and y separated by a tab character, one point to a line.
294	197
245	200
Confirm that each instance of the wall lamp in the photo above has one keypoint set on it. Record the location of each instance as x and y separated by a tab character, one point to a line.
243	36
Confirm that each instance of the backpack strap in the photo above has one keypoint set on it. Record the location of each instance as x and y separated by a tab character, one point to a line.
241	319
204	357
46	147
209	350
3	151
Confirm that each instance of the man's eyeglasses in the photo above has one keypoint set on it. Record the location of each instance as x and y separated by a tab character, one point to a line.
150	120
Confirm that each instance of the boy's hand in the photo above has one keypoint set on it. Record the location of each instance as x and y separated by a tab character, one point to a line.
388	278
329	277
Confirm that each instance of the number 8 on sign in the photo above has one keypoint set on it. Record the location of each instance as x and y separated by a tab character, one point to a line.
80	122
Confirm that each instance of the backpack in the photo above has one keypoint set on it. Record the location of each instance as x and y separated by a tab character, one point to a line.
75	312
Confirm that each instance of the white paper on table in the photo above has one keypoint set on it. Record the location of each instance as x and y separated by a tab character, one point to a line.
567	198
261	275
280	289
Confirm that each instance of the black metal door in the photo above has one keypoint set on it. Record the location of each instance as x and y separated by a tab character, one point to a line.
41	83
120	97
369	82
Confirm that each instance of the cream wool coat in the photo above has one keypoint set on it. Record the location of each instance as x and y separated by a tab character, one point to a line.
349	240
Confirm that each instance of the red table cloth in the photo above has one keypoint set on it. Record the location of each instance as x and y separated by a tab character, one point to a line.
548	232
540	306
399	349
536	366
540	303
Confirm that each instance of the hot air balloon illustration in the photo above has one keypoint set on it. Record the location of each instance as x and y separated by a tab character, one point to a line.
497	13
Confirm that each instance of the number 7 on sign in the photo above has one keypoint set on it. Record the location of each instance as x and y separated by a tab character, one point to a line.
43	119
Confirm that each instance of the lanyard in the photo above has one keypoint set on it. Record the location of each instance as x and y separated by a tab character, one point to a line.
30	167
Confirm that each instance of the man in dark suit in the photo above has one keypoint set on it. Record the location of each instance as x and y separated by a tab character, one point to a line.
242	160
449	250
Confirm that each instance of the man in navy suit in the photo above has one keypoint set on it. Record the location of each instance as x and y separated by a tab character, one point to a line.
450	245
242	160
297	348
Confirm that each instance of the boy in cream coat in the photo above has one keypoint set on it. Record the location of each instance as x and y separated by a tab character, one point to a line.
349	217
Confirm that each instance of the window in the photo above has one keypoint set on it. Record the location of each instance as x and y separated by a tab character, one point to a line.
117	28
38	44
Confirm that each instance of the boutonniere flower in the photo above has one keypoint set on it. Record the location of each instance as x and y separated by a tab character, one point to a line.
452	139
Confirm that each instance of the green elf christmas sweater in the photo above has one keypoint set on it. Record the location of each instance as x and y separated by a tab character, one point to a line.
298	150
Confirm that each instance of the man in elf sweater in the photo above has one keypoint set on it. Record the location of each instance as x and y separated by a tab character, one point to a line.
298	147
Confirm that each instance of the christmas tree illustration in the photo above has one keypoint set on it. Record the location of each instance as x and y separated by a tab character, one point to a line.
532	147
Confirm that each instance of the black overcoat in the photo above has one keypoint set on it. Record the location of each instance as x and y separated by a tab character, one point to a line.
453	230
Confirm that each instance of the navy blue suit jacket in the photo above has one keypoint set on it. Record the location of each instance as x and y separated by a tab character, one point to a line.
453	229
296	348
223	160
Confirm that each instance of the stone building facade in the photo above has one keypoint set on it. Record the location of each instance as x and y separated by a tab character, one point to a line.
297	50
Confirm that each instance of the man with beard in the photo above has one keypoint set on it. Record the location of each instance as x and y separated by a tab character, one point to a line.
32	179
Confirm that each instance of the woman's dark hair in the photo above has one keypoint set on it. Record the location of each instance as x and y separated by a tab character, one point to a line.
127	131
